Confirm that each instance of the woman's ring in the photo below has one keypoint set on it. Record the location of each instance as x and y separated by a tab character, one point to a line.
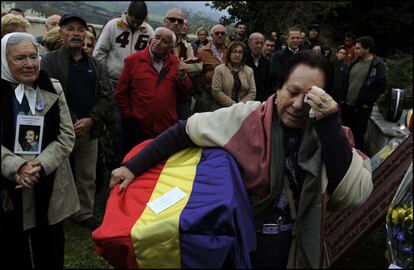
325	99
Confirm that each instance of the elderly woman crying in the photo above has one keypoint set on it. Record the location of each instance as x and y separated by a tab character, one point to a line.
297	161
37	188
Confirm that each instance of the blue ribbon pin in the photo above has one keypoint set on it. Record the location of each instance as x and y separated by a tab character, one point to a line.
40	105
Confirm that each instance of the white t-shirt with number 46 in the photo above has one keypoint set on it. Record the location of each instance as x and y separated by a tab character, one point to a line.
116	42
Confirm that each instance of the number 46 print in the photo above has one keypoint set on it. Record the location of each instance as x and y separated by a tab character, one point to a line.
123	40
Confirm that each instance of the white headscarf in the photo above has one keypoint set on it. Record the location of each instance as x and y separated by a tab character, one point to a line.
21	89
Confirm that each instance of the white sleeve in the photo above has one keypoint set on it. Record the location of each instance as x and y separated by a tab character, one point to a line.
355	187
103	45
216	128
150	30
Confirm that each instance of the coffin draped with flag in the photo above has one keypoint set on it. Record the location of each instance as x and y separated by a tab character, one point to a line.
211	227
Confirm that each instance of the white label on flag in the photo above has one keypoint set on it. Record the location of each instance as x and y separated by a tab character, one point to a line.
167	200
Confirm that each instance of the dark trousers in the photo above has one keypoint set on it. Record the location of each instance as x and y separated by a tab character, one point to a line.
132	135
356	118
47	244
272	251
116	136
183	110
115	126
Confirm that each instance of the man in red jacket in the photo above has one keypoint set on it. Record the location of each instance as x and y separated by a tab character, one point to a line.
151	83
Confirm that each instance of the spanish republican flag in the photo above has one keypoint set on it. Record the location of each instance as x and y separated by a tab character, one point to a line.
210	227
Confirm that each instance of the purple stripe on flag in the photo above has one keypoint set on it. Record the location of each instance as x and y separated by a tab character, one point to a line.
216	226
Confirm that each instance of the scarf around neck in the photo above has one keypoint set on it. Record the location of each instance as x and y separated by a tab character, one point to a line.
21	89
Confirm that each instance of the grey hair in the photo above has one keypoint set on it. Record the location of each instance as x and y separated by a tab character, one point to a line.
174	38
174	9
253	35
50	18
19	37
212	29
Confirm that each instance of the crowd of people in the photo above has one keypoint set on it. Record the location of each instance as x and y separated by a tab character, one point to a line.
290	101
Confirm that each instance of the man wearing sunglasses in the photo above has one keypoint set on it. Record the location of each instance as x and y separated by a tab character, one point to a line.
183	50
211	55
174	20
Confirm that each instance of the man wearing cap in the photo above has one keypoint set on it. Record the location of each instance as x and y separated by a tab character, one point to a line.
87	89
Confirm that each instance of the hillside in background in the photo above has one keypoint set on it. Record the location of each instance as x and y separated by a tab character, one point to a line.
159	8
197	11
92	14
99	12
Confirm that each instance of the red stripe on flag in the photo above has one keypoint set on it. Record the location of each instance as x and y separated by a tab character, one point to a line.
113	237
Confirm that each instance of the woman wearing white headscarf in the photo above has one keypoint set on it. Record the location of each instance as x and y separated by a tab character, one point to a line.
37	190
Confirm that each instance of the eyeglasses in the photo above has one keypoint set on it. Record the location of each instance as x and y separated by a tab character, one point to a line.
173	20
220	33
89	45
239	52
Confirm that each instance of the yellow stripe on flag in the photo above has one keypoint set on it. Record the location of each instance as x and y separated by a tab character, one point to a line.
156	238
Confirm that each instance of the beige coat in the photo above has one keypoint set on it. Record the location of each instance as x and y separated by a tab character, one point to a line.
64	199
222	85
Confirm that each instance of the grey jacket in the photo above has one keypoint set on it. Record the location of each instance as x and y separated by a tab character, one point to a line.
64	199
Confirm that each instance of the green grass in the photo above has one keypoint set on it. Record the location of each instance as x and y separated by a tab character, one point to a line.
79	246
80	251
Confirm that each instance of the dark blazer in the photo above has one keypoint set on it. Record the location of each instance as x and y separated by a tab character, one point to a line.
338	89
278	59
56	64
261	76
278	44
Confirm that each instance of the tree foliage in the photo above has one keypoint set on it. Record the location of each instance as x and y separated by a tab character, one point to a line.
399	75
388	22
276	15
198	20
